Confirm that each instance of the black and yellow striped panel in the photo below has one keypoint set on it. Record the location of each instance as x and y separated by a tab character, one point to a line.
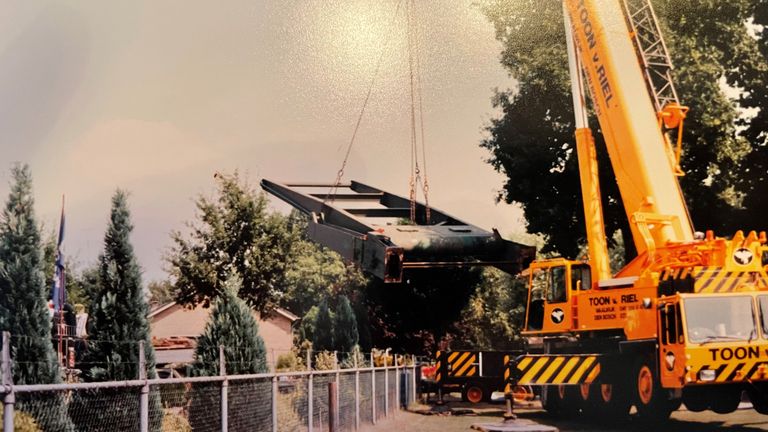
736	371
462	364
507	373
558	369
714	279
438	367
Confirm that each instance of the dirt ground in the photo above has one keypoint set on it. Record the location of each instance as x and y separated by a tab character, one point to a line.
743	420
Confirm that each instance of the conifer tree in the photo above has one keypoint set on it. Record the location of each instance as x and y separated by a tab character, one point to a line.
118	321
231	325
346	335
23	309
323	339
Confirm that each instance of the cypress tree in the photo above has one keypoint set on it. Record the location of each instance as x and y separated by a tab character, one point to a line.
323	337
23	308
346	334
232	326
118	321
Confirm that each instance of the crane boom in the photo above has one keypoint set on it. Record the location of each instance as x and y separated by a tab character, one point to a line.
639	151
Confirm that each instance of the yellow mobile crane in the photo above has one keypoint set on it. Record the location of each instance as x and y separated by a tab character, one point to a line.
685	321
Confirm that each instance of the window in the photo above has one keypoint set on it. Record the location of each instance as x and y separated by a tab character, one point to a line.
764	313
720	318
557	289
581	277
671	325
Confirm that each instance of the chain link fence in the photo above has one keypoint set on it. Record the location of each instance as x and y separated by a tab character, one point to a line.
342	399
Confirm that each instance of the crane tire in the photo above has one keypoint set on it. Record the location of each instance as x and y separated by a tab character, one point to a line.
726	399
758	394
650	399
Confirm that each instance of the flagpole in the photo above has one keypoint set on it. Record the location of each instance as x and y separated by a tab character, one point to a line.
57	273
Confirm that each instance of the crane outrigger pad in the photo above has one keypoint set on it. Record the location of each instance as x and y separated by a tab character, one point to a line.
372	228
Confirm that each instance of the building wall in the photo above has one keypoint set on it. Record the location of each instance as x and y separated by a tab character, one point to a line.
180	321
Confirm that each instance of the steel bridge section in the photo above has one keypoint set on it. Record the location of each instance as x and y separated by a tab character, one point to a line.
372	228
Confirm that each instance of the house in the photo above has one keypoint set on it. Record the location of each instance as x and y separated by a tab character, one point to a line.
175	329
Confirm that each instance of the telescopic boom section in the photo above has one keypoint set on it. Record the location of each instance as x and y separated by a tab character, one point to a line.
636	144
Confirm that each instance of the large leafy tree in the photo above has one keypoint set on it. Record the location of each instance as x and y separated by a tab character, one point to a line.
494	315
117	323
23	309
317	273
416	315
236	233
532	142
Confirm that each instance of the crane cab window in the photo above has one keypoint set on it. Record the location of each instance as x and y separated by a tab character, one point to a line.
581	278
763	299
557	288
671	325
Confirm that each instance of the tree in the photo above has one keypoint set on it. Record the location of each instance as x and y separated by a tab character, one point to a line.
235	233
532	142
118	322
416	315
323	337
161	292
23	306
231	325
495	314
345	327
316	273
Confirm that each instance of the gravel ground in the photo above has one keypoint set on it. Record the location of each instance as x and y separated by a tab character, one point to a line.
743	420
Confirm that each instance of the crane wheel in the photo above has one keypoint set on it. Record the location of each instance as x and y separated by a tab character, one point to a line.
553	399
474	393
758	394
650	399
562	400
696	399
607	402
726	399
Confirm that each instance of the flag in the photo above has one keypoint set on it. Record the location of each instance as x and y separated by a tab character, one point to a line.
59	292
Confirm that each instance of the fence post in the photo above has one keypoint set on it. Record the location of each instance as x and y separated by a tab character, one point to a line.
416	370
144	398
373	389
224	391
310	385
386	382
333	406
9	400
357	391
397	387
274	401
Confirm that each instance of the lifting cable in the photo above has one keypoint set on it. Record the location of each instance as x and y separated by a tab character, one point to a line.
417	112
415	79
334	188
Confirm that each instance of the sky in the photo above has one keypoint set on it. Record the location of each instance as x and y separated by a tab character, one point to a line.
155	97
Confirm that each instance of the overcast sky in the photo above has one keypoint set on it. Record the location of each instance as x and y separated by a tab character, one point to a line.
155	97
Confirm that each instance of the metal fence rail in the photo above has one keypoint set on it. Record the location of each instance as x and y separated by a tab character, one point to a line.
270	402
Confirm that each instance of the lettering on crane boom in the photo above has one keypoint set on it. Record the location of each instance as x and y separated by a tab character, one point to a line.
610	307
589	34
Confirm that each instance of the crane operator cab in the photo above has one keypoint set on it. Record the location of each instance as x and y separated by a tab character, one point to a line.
553	286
